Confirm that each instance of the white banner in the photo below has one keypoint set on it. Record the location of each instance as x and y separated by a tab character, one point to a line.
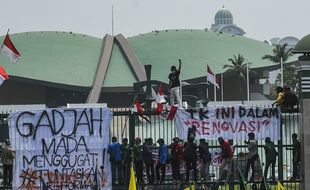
61	148
233	122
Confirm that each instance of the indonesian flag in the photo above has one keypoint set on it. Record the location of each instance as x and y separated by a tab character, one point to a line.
160	99
173	111
9	49
211	77
138	109
3	75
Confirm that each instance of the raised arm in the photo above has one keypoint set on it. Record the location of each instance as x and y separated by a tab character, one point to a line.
180	63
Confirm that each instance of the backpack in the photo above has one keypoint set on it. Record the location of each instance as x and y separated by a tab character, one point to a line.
290	98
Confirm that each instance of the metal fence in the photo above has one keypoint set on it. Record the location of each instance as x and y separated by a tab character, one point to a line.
126	124
134	126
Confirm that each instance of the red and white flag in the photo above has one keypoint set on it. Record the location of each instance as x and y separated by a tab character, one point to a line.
160	100
3	75
138	109
173	111
211	77
9	49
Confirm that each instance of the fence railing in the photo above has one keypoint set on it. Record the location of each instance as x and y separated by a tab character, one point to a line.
161	128
128	125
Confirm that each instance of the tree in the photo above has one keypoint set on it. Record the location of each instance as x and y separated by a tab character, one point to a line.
278	52
289	76
237	65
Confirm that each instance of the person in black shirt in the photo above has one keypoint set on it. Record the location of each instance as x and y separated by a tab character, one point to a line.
296	156
174	83
147	151
205	157
190	156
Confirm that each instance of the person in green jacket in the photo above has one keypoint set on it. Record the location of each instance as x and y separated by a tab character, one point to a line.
137	153
271	157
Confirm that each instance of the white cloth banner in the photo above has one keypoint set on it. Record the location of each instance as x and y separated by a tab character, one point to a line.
233	122
61	148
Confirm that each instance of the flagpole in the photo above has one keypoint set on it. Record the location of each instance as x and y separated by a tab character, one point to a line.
214	87
281	63
222	89
112	20
181	94
247	81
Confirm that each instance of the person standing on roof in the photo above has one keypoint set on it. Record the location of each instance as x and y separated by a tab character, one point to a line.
174	83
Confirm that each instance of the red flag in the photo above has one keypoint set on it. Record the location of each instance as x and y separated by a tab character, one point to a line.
211	77
138	108
159	108
173	111
160	99
3	75
9	49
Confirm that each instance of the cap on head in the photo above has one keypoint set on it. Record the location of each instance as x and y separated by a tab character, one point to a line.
251	135
159	141
114	139
220	139
279	89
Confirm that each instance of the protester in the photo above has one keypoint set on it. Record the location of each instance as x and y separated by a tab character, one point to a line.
148	159
161	165
7	156
205	156
174	83
271	157
138	159
252	155
126	159
190	156
176	158
296	157
114	149
226	156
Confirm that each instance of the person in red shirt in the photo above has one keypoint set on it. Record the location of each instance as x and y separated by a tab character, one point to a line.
227	156
176	157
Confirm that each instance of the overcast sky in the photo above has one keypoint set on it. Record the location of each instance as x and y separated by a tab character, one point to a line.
261	19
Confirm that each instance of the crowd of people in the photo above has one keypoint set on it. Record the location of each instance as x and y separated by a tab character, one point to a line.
153	159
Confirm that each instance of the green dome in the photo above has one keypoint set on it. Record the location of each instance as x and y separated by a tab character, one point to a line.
56	57
303	46
72	59
196	48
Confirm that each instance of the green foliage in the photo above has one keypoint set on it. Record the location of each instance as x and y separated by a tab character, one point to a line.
237	65
279	52
289	76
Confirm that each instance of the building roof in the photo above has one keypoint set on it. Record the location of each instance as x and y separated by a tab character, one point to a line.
72	59
56	57
223	13
303	46
196	48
